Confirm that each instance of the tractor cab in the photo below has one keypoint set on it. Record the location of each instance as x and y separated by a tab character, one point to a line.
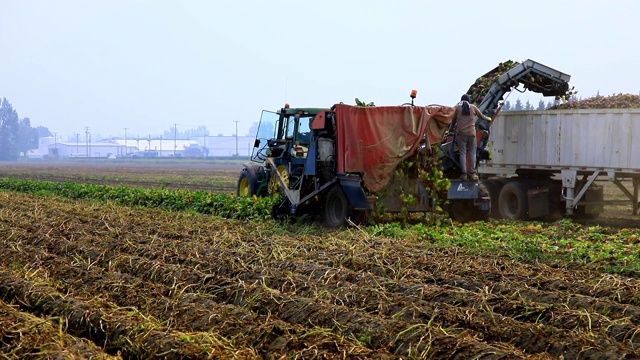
283	138
284	135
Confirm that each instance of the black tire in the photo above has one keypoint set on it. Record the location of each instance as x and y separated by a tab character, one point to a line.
513	202
247	184
336	208
494	186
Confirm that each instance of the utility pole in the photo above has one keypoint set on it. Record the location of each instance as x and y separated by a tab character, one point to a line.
87	138
175	137
236	121
125	142
204	145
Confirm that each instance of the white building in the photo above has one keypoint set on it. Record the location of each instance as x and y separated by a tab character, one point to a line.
226	145
209	146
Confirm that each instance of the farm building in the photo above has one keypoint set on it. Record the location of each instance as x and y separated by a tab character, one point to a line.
209	146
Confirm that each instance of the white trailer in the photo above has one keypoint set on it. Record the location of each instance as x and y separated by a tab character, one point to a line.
542	162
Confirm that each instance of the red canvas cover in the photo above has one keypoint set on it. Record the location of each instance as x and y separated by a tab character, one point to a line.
374	140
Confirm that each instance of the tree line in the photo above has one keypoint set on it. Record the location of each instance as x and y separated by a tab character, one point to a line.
519	106
17	136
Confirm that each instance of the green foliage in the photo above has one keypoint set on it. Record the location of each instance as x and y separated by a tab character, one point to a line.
220	204
363	104
561	242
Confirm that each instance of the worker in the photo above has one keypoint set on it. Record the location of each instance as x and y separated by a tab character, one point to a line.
465	127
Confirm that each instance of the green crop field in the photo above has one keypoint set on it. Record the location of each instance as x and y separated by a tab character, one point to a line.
107	261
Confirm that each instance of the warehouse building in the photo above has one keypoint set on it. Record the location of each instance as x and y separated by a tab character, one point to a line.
206	146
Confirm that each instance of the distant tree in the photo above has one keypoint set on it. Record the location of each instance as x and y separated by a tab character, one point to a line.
43	131
518	106
528	106
175	131
506	106
541	105
253	130
266	130
9	128
27	136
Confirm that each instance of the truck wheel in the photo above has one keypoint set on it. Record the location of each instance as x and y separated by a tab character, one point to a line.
513	201
247	184
336	208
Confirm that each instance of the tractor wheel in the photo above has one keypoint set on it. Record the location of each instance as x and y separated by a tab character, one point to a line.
274	184
513	202
336	208
461	210
247	184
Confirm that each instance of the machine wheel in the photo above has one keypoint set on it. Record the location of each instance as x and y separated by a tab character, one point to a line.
494	186
336	208
513	201
461	210
274	184
247	184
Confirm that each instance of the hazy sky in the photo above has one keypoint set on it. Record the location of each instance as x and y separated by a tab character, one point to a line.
146	65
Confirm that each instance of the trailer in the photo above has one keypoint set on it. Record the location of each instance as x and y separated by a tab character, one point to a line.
541	163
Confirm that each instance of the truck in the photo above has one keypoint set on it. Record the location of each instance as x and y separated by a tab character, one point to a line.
549	163
545	164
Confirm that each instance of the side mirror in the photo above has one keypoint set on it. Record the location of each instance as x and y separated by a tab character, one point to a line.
256	143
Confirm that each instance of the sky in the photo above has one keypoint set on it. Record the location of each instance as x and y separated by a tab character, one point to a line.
149	65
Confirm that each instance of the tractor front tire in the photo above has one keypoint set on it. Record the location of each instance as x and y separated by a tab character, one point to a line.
336	208
247	184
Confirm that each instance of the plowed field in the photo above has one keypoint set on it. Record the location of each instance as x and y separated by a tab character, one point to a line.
80	280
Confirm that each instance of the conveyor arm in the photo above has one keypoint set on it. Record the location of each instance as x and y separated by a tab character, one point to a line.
533	76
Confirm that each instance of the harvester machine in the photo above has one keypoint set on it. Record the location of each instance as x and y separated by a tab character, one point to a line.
347	161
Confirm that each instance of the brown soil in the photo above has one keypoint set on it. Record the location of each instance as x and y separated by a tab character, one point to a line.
260	294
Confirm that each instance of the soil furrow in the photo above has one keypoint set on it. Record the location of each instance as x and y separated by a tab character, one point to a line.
191	312
117	330
23	335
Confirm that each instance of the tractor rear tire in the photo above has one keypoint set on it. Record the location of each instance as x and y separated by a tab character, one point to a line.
514	204
247	184
336	208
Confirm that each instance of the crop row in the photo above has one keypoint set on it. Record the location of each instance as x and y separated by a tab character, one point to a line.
220	204
401	295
